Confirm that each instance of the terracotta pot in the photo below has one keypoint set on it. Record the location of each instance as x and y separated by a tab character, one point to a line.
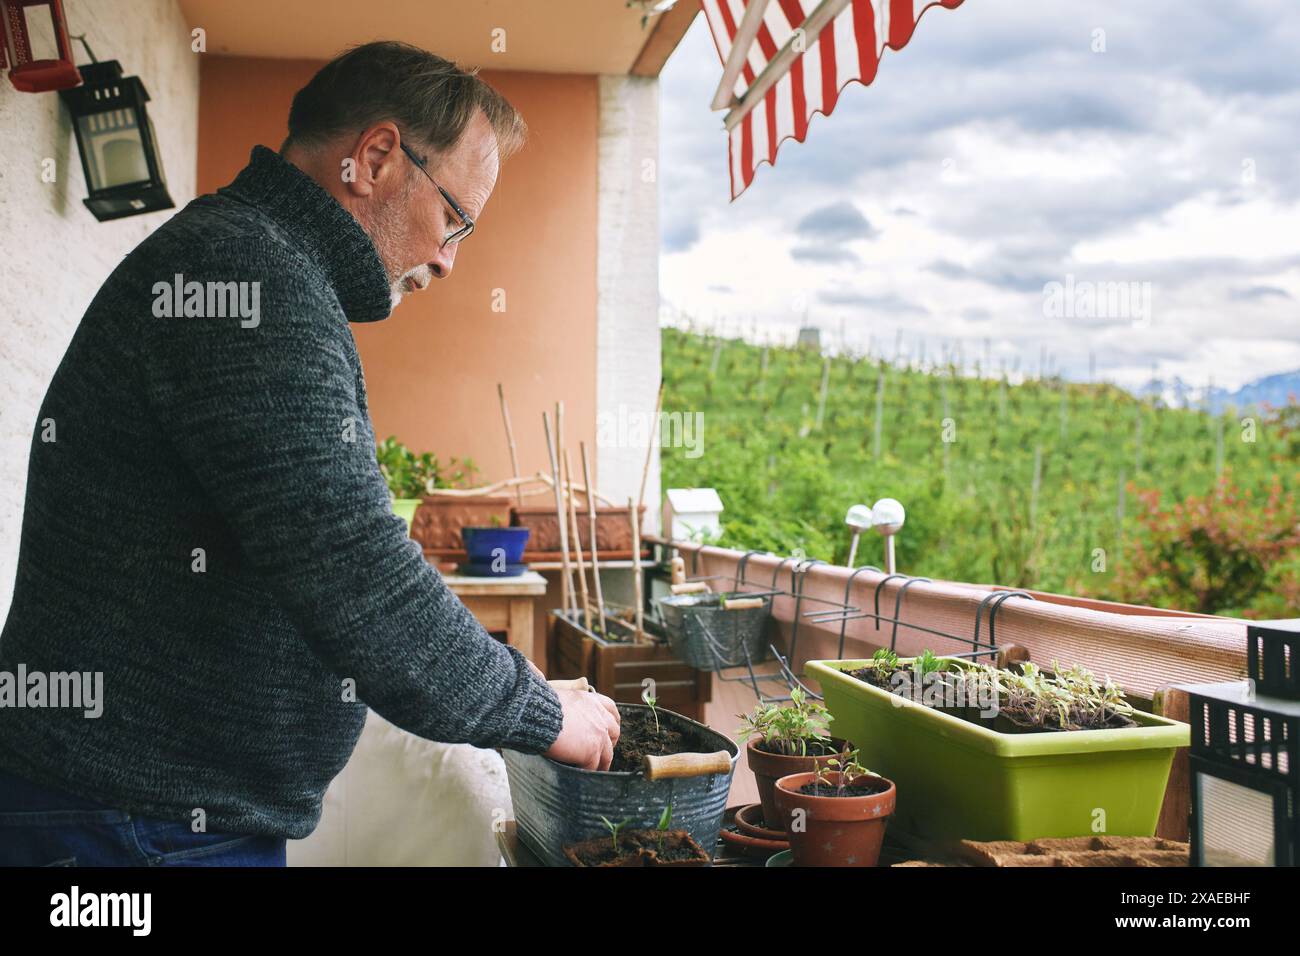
749	819
834	831
439	519
769	768
613	529
751	845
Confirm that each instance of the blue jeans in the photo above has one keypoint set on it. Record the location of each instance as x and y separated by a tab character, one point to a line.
40	827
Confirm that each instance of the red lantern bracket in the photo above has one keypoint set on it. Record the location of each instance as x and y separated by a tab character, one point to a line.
26	74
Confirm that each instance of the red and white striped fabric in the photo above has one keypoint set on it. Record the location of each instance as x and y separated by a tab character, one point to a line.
848	48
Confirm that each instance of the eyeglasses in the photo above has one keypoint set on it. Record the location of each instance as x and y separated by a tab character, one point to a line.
466	226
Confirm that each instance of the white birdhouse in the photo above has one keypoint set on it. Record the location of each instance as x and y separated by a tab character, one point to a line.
691	514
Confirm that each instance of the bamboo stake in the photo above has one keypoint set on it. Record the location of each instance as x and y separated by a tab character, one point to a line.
565	596
591	511
510	440
649	452
577	544
564	525
636	567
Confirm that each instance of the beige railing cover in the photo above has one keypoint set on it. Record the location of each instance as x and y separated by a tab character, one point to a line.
1142	652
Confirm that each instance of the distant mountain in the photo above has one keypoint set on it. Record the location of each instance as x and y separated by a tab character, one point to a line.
1273	390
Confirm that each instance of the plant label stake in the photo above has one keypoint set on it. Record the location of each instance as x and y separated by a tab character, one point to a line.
888	517
859	520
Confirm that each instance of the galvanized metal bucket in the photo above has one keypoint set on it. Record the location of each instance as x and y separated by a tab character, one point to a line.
557	805
708	637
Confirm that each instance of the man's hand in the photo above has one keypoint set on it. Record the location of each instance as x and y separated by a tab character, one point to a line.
590	730
591	726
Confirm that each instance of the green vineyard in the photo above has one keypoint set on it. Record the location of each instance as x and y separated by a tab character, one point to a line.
1046	484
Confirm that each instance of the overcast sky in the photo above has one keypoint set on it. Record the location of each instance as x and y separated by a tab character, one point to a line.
996	154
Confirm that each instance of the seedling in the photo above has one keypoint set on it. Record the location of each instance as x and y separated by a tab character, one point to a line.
614	829
654	711
665	821
850	770
788	730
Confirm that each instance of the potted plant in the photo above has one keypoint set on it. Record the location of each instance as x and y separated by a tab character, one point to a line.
661	758
783	740
618	849
835	815
661	846
1062	756
436	499
406	474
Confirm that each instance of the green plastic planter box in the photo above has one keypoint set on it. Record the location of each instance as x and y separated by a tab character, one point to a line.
958	780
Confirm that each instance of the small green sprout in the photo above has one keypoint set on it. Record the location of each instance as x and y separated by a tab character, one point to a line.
665	821
654	711
614	829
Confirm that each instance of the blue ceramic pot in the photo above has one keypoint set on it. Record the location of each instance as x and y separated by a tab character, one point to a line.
485	545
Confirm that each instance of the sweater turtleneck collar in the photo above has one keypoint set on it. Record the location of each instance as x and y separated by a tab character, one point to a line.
330	234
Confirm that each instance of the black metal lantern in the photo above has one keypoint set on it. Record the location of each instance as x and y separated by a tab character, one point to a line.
1245	744
115	137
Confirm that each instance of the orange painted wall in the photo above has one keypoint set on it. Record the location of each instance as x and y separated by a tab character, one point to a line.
432	367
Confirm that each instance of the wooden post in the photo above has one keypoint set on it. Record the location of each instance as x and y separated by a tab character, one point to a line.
1175	813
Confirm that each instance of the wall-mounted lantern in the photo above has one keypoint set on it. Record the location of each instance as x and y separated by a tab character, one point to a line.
26	74
119	153
1245	750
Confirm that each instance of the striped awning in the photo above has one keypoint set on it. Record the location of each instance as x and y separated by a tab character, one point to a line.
784	60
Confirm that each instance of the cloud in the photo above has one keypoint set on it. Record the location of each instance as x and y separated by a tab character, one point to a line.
893	304
1002	150
1254	292
838	222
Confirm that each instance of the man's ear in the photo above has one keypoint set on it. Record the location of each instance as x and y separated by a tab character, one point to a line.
375	161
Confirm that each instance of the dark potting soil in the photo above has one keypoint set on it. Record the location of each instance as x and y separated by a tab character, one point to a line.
638	738
814	789
676	845
869	675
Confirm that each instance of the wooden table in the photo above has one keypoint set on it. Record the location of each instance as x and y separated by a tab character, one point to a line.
503	605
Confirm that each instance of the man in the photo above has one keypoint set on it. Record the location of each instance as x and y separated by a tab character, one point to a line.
206	526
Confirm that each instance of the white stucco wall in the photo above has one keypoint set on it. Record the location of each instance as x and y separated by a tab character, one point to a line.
53	253
627	276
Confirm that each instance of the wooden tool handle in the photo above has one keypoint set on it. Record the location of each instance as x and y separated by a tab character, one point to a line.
686	765
691	587
678	570
577	683
741	604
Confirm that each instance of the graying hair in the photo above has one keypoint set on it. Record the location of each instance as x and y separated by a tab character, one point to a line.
431	99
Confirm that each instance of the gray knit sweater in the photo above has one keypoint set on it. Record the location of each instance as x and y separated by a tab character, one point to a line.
209	530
